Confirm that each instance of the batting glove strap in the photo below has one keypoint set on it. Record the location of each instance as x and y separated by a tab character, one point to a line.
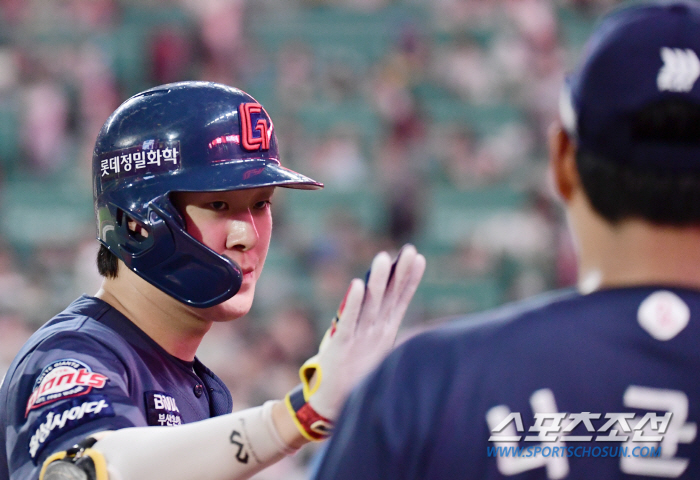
311	424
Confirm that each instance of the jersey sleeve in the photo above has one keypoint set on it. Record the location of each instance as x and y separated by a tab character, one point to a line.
379	433
70	386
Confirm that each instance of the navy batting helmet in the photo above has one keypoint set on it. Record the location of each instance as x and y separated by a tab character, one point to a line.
189	136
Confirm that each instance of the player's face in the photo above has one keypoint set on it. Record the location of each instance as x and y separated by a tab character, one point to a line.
236	224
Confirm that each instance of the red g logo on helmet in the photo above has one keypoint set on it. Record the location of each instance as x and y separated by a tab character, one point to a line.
248	140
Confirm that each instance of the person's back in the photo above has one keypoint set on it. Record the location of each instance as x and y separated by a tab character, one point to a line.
590	366
600	383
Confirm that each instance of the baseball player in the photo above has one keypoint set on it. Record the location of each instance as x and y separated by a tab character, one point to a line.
599	383
183	175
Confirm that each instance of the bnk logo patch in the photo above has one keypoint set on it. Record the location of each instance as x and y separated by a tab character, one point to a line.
63	379
161	409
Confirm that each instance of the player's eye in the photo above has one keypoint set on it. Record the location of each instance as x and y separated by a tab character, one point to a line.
219	206
262	204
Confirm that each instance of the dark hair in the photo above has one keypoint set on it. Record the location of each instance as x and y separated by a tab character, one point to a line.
107	263
619	191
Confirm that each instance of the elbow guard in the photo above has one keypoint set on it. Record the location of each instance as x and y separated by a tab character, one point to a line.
77	463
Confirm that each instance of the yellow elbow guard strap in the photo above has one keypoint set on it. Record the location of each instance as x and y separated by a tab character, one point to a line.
79	462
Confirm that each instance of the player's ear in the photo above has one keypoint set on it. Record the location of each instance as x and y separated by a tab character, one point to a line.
562	162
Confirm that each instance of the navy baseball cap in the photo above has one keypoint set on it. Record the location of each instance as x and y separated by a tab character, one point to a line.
636	57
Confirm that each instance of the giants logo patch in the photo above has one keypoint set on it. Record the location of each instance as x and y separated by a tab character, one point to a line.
62	379
253	120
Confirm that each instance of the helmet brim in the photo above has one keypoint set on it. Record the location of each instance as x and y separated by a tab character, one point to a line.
246	174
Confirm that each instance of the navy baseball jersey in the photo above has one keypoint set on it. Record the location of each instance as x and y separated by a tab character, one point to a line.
604	386
91	369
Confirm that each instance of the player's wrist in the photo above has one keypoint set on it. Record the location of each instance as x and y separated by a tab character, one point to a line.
286	426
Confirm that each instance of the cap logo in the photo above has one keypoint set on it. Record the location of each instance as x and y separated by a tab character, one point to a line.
249	140
680	71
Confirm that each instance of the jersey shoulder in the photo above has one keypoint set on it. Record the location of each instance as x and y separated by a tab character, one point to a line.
495	324
644	314
69	379
75	331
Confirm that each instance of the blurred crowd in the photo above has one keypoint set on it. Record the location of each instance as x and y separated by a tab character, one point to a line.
426	120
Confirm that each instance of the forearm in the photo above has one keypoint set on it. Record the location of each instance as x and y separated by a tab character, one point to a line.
229	447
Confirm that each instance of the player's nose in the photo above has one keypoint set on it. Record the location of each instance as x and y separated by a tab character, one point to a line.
242	233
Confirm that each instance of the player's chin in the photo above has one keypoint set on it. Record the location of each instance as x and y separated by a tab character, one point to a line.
233	308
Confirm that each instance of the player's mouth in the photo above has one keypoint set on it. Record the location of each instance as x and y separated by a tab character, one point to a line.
247	271
248	274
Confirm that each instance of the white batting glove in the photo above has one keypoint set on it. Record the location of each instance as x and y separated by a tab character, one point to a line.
361	335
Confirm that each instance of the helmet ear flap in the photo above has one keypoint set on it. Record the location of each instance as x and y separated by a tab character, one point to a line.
185	269
159	250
